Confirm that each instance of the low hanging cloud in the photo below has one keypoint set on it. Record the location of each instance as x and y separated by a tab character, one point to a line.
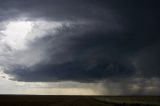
86	41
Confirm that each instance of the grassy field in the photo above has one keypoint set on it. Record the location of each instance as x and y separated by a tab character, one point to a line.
33	100
131	100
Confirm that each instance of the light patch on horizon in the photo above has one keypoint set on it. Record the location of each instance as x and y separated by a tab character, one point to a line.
61	91
60	88
48	88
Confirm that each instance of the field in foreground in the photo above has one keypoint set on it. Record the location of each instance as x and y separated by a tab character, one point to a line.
33	100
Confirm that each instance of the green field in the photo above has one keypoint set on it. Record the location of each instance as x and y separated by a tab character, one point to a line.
39	100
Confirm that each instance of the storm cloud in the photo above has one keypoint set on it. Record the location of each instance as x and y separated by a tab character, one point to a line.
85	41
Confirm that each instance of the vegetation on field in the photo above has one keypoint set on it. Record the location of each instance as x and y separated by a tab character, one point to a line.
130	100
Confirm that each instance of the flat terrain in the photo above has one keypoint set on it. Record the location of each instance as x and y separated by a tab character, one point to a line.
33	100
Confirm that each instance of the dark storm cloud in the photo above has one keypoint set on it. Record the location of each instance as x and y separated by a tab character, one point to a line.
78	58
54	9
118	36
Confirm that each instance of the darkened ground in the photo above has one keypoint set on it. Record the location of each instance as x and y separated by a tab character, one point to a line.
30	100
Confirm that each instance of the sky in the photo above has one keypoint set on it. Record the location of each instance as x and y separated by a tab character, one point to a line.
80	47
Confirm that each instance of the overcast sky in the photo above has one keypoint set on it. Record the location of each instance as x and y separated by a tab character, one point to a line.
80	47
